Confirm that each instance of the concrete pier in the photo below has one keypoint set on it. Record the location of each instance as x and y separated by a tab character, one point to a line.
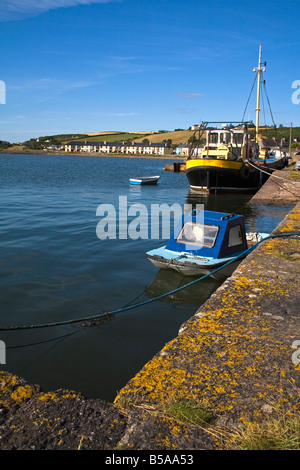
238	356
236	351
283	187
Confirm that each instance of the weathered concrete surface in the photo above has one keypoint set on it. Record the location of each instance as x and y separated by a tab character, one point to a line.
283	187
235	356
63	419
66	420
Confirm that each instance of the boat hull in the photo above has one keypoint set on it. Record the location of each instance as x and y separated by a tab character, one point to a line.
190	264
195	269
222	176
271	164
151	180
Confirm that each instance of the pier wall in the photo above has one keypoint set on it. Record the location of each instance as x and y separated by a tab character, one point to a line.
236	352
238	356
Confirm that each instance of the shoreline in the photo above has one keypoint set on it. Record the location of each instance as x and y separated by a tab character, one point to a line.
90	154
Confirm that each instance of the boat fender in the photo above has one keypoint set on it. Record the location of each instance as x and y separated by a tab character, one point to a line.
245	171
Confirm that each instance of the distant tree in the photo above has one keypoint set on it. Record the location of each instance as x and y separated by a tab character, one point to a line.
193	140
33	144
4	144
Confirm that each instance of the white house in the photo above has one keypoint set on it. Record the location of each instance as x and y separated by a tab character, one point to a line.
119	147
183	150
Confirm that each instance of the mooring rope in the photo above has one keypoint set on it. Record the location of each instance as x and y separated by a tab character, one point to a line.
278	177
145	302
270	174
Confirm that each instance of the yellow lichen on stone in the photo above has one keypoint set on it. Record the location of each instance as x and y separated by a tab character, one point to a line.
22	393
55	397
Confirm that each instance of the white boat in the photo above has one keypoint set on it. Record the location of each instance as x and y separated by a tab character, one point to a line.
145	180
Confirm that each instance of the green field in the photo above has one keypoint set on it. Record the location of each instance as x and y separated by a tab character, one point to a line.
113	137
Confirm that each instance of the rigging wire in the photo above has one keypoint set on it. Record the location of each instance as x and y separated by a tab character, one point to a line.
264	82
249	98
263	107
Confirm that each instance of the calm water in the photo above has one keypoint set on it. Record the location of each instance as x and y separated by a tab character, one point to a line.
54	268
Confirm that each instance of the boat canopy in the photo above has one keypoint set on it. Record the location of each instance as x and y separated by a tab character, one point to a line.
209	234
226	136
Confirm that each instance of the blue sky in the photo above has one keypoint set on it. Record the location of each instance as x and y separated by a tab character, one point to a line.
131	65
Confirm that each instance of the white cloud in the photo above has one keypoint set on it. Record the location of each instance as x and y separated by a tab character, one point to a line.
48	84
20	9
123	114
184	94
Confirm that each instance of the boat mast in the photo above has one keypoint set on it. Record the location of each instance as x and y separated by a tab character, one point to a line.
259	70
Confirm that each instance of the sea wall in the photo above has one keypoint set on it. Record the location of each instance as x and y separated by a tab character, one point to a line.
238	357
237	353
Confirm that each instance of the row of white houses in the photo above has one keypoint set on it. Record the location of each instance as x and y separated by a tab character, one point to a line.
184	150
119	147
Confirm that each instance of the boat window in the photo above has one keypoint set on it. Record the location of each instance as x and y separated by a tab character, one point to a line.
235	236
211	147
225	138
213	138
238	138
193	233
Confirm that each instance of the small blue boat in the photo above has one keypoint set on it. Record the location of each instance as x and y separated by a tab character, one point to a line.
200	245
145	180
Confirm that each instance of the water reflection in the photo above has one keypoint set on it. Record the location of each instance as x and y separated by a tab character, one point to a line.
220	203
168	280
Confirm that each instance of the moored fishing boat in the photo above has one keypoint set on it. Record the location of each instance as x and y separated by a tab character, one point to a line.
223	164
231	160
201	245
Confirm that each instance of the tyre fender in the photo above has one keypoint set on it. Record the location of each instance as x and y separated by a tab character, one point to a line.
245	171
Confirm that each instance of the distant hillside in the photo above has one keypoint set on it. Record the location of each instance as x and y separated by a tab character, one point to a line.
281	133
4	144
174	138
113	137
51	140
177	137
